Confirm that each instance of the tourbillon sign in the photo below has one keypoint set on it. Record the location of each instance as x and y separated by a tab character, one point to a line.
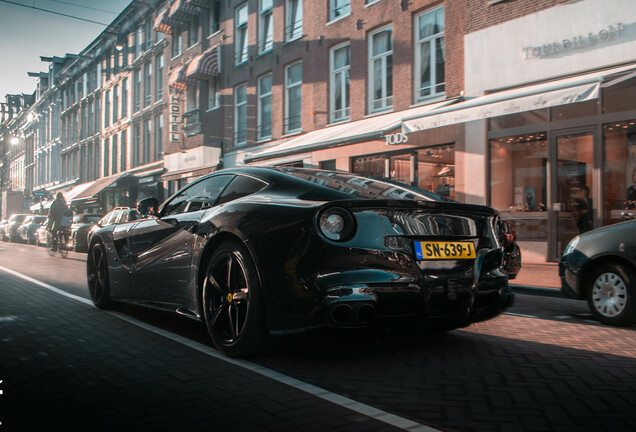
604	35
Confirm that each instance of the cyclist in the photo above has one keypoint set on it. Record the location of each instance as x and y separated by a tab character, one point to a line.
60	217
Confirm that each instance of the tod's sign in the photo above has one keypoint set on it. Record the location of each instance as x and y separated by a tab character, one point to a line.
603	35
396	138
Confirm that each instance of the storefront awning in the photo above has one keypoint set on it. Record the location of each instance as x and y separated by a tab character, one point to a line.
182	10
373	128
163	23
187	173
68	196
97	186
560	92
177	78
204	66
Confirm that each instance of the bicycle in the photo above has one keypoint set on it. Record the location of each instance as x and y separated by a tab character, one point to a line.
58	244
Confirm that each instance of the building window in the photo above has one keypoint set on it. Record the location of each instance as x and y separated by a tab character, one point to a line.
148	34
381	70
240	114
370	2
147	134
115	103
213	93
158	137
293	19
193	31
265	31
147	84
159	77
124	97
429	54
240	34
106	109
136	144
113	154
340	61
123	150
177	41
139	41
91	117
105	152
339	9
192	97
265	107
214	17
293	97
137	91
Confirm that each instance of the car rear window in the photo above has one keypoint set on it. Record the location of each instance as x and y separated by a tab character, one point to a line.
362	187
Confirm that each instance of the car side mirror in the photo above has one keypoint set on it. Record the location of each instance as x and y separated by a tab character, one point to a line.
148	206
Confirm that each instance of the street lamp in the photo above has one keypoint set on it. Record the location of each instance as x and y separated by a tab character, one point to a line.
15	141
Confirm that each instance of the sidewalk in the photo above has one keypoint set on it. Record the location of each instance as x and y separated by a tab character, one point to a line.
538	279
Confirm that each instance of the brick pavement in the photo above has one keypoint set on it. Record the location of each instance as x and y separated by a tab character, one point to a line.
67	366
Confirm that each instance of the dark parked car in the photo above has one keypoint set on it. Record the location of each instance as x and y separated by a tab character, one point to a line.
26	231
600	266
257	251
82	224
118	215
11	228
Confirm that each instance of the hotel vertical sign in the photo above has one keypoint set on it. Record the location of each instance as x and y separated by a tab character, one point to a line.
175	119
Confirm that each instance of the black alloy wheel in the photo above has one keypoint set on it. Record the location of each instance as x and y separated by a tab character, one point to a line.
611	295
97	272
232	309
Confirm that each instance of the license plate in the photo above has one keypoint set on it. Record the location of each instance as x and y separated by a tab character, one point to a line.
428	250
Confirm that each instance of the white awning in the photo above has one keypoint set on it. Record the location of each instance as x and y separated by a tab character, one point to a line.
68	196
372	128
561	92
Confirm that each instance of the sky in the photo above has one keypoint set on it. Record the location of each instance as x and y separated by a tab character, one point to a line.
27	33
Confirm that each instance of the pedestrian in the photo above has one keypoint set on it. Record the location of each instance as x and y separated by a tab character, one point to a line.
583	209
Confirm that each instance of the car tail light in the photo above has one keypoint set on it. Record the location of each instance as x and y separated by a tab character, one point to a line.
336	223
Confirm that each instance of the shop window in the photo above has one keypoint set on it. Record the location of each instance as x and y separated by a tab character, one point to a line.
576	110
619	170
372	166
516	120
620	96
518	185
436	170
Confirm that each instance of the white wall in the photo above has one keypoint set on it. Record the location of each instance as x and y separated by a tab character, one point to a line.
502	56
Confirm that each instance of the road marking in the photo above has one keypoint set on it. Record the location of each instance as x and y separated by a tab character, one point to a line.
367	410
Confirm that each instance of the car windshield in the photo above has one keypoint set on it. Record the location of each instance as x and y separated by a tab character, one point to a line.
363	187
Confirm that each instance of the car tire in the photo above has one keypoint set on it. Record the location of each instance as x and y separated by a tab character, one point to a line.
97	274
611	295
232	304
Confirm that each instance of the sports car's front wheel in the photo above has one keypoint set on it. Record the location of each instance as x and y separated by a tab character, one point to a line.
612	295
232	301
97	272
